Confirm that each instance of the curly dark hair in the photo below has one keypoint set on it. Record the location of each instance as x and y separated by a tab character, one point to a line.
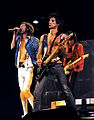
58	18
74	37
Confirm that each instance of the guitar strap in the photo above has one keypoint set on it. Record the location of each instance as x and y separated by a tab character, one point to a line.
74	52
53	42
45	44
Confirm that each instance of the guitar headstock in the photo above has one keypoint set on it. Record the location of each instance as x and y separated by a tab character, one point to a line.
85	56
70	35
66	38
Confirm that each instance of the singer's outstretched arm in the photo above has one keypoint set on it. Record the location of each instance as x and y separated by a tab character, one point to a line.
13	41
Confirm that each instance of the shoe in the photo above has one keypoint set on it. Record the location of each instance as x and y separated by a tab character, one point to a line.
22	116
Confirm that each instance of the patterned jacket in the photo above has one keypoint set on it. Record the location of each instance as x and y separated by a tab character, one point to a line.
32	45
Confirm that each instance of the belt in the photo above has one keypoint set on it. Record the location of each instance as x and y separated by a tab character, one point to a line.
56	60
59	61
21	64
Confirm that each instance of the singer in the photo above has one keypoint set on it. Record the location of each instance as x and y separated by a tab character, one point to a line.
25	59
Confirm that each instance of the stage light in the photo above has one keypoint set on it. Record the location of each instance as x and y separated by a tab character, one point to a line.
35	21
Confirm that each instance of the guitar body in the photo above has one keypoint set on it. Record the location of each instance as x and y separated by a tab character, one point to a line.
41	71
73	64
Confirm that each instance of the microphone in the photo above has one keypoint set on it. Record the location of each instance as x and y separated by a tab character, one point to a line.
14	29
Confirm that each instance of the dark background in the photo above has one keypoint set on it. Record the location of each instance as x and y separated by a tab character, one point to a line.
78	17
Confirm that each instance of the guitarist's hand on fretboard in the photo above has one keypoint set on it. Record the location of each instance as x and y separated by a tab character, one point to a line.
70	66
67	67
73	64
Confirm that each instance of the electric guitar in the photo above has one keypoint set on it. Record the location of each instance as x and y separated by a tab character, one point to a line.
73	63
41	70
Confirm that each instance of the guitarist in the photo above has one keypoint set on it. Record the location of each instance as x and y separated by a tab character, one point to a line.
74	51
55	68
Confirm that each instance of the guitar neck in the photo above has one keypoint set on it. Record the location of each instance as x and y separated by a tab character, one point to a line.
76	61
83	57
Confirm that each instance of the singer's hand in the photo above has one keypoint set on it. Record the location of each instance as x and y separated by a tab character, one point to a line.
16	28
